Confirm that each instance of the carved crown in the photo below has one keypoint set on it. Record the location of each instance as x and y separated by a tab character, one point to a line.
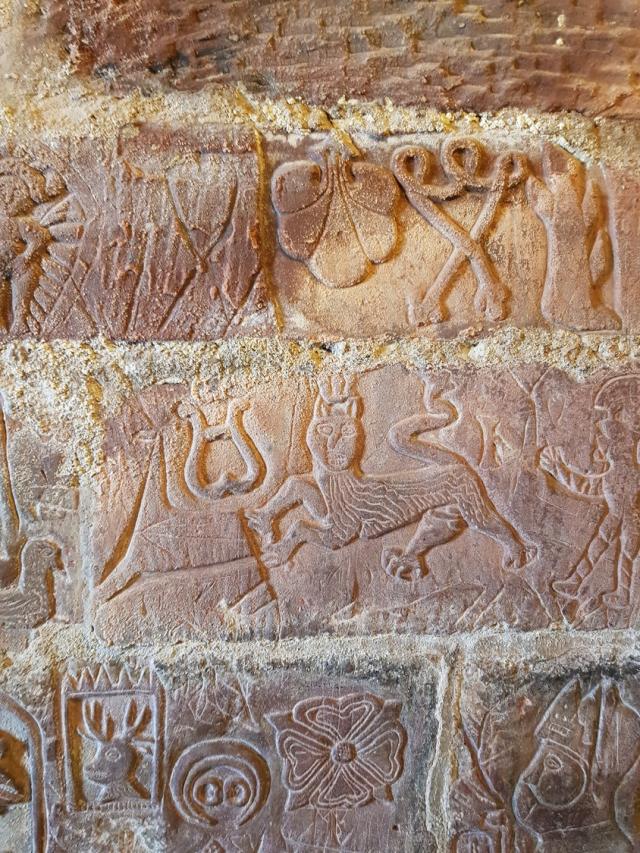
106	678
337	388
336	393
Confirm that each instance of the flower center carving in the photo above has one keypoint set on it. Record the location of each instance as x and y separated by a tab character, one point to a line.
344	752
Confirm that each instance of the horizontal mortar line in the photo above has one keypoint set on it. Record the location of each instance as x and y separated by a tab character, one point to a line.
588	644
573	351
83	111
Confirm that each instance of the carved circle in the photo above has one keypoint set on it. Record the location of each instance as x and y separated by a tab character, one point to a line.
220	782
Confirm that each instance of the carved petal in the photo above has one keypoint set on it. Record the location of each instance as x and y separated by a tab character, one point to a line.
373	193
339	219
301	197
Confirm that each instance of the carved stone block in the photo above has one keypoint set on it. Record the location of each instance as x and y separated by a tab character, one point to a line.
40	564
566	56
203	755
568	780
445	236
206	233
300	759
439	501
23	808
154	234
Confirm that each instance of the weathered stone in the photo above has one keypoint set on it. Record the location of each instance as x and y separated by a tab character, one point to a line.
547	756
22	778
319	431
40	563
155	235
167	234
207	756
441	501
447	54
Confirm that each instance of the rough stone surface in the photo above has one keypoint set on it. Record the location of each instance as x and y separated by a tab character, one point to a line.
436	501
319	432
446	53
568	781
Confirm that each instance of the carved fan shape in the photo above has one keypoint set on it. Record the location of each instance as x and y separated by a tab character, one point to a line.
338	217
198	204
64	221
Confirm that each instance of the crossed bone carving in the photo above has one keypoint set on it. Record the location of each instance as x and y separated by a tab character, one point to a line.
462	164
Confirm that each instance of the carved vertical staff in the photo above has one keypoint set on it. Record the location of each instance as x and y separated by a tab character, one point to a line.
9	520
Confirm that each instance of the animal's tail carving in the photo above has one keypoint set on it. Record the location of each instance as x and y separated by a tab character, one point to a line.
406	437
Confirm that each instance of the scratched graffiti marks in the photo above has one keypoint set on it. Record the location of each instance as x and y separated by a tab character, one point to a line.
299	760
185	466
178	253
438	501
569	781
40	576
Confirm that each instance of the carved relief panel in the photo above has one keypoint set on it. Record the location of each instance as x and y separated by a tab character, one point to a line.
568	782
437	501
207	756
112	721
155	234
300	761
40	568
211	232
444	235
23	808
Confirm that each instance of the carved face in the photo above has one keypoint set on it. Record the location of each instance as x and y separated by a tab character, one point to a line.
334	434
112	762
551	788
222	794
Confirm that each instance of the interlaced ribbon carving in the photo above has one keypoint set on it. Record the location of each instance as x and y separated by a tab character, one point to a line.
462	164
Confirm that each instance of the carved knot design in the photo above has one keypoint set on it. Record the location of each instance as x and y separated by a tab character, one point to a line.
462	164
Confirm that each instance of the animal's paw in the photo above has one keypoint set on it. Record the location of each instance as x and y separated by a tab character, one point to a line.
401	566
518	556
261	525
275	555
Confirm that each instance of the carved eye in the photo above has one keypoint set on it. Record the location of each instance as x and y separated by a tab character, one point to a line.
112	754
552	762
238	792
324	429
211	793
348	430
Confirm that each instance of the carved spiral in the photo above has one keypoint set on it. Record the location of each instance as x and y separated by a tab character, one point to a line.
220	782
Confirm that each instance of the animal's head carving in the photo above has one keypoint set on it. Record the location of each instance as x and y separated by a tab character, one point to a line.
117	744
587	742
334	436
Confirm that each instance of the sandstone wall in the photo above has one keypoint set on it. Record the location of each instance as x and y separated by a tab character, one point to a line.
319	426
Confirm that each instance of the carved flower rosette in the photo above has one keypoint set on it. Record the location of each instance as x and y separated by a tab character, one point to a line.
340	753
336	215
